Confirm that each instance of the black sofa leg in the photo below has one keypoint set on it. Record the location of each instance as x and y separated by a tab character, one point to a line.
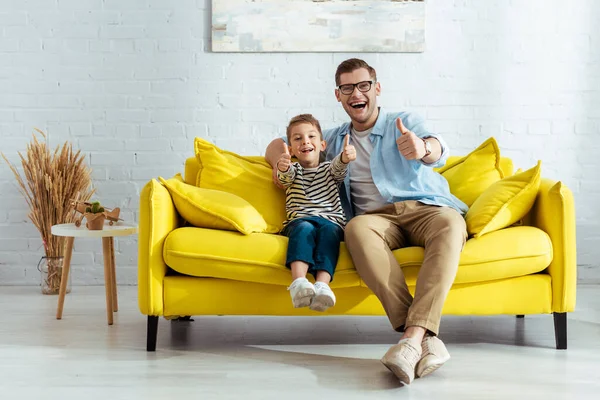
152	333
560	330
520	316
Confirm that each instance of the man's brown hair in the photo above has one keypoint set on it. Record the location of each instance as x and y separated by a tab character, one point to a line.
353	64
298	119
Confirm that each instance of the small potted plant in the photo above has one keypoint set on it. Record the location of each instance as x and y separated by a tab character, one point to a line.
95	217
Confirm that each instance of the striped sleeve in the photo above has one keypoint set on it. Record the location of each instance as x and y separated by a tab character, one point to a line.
287	178
338	168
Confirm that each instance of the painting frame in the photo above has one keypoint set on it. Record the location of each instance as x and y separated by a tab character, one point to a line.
257	26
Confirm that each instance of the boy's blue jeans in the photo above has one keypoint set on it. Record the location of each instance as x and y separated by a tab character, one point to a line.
316	241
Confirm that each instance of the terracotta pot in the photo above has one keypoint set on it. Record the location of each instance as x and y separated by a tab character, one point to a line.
95	222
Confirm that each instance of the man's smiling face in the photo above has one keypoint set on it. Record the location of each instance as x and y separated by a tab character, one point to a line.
360	106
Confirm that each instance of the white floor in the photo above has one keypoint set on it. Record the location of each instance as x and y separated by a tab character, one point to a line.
80	357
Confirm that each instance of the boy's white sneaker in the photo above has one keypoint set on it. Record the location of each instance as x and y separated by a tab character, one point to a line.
324	297
302	292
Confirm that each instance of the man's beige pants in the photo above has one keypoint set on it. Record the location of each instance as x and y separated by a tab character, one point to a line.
370	239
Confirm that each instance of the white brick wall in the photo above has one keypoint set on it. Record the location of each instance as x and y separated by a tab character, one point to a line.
132	82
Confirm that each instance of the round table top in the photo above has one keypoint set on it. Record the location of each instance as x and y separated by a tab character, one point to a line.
118	229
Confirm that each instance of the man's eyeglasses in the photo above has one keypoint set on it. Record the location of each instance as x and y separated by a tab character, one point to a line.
363	86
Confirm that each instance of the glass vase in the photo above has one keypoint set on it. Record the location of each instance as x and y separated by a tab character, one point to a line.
51	269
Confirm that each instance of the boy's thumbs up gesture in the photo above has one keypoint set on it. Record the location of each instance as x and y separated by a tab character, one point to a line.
349	151
284	162
410	145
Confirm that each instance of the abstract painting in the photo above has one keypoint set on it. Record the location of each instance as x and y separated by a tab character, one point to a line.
318	26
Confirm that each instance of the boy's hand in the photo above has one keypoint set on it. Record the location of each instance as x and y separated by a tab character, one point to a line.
349	151
284	162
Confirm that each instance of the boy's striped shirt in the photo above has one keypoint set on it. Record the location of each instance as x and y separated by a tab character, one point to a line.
314	191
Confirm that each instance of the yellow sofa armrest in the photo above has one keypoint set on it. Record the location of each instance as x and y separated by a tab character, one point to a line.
158	217
554	213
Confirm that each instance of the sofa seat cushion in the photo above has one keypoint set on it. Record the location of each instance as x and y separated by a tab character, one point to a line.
260	257
506	253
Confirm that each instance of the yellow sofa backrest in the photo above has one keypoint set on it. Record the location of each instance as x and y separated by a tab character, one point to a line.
192	167
274	198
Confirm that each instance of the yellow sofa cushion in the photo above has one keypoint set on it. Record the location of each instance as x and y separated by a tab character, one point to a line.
260	257
504	203
506	165
250	178
471	175
507	253
215	209
255	258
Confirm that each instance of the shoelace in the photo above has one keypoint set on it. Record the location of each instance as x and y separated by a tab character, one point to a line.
425	345
429	346
410	352
294	284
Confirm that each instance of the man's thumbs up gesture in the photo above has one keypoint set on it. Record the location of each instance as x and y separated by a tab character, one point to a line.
410	145
349	151
284	162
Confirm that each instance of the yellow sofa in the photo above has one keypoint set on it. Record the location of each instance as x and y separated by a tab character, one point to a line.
187	271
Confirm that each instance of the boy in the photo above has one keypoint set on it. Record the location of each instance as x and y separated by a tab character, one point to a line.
315	218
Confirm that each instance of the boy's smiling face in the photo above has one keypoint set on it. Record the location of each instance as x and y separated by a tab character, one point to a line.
306	144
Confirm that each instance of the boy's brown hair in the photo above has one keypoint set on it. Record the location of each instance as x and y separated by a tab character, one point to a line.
353	64
303	118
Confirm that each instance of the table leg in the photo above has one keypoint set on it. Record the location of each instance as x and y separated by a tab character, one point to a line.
115	300
107	278
64	279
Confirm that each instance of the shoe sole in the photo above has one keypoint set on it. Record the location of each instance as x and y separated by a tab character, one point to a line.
429	369
399	372
321	303
303	298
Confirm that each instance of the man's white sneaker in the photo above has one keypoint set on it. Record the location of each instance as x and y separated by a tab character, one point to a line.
402	358
434	356
324	297
302	292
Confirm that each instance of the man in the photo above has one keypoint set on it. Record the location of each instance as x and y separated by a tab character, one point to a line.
397	200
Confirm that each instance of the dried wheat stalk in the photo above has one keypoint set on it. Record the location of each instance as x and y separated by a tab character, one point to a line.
51	180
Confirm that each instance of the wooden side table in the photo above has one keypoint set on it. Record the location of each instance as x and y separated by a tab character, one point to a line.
70	231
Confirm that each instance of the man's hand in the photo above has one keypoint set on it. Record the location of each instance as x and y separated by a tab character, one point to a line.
349	151
272	155
276	179
410	145
284	162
